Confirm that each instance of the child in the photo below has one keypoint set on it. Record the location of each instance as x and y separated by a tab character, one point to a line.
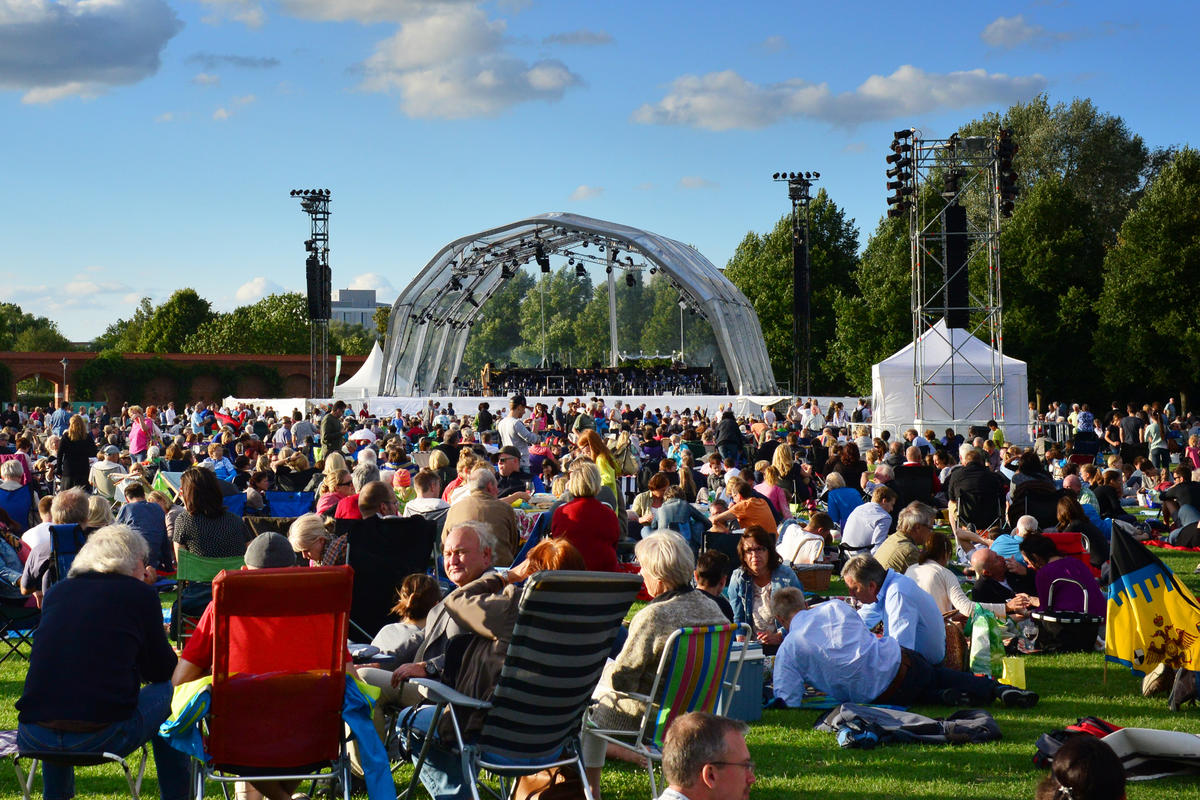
712	573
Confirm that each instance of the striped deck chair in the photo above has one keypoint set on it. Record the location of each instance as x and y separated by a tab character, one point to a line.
695	673
566	624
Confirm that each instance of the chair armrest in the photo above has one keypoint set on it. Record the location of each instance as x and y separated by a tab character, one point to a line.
441	693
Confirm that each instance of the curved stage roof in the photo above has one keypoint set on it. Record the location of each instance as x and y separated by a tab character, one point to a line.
431	319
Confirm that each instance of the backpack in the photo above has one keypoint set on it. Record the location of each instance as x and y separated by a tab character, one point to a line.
626	463
1048	744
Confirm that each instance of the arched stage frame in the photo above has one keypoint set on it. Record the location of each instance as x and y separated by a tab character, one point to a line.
431	319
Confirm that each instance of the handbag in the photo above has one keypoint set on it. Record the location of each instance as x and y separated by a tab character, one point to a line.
1066	631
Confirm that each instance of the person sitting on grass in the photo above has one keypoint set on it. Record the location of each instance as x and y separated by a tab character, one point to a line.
830	647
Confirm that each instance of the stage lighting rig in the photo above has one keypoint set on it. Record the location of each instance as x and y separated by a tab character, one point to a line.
630	280
319	280
799	193
900	174
1006	176
542	259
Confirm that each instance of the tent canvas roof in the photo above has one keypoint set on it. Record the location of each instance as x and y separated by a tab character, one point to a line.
365	382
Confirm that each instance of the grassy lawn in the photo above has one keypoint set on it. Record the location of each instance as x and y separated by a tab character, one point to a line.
796	761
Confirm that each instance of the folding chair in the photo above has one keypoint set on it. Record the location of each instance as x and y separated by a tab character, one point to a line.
691	677
1074	545
234	503
17	624
279	677
566	624
133	777
289	504
382	553
19	504
194	576
65	542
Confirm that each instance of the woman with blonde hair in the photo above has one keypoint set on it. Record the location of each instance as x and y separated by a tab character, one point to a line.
586	522
309	536
591	446
335	486
770	488
99	513
74	453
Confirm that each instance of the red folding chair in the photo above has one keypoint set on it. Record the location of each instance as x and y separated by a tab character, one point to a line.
279	676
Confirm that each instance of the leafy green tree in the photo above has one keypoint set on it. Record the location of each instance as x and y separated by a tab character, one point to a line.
1149	334
276	324
382	316
761	268
350	340
1051	260
23	332
567	295
875	317
496	331
124	335
174	321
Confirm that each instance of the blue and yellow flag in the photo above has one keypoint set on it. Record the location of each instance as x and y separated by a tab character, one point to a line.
1152	617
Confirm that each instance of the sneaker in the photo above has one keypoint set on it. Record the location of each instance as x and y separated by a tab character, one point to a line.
1158	680
1018	698
953	697
1184	690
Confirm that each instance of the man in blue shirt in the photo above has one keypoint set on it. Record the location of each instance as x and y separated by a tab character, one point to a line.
830	648
61	418
910	614
150	521
200	418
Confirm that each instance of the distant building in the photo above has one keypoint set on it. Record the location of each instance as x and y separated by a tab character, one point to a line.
355	307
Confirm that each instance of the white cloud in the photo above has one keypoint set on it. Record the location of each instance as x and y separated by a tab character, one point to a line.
645	186
384	291
855	147
206	79
53	50
725	100
774	44
256	289
221	114
248	12
452	64
83	291
244	100
585	192
581	38
1008	32
696	182
252	13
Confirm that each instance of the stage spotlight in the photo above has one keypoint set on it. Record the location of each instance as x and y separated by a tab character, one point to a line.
608	270
904	134
775	176
630	281
653	270
580	270
570	262
542	259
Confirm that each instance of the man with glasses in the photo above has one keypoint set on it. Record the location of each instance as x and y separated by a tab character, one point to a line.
903	548
513	481
706	758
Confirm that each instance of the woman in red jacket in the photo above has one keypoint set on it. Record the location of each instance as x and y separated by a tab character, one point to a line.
586	522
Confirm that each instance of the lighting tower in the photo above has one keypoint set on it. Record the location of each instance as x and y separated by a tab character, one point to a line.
799	184
319	279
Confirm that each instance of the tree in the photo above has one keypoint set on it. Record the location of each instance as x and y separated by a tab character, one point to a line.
761	268
874	319
23	332
124	335
276	324
567	295
1094	153
1149	335
381	317
1052	259
496	332
349	340
174	321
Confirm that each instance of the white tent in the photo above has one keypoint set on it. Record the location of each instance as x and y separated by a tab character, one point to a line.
958	384
365	382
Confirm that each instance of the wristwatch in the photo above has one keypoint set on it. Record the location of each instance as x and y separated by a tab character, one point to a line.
430	671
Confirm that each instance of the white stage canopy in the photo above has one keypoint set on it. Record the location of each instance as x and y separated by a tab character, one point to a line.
958	383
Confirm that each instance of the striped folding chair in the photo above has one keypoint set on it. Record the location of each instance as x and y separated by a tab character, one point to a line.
566	624
692	676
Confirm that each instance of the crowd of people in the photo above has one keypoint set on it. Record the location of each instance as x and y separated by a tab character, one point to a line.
674	378
716	512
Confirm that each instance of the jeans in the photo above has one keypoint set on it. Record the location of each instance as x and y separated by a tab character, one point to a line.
924	683
442	773
121	738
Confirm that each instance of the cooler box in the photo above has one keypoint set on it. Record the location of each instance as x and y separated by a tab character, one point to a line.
747	701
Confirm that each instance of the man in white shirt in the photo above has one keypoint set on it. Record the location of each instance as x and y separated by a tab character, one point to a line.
513	432
869	524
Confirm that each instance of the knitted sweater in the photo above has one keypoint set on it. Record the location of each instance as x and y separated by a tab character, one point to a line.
637	663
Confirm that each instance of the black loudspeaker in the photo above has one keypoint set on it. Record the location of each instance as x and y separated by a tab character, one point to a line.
326	293
312	274
957	285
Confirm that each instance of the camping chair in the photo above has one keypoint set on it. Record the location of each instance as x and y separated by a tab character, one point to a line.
234	503
691	677
383	552
259	525
132	777
913	484
19	503
279	677
1082	458
566	624
65	542
17	624
289	504
194	575
1037	499
1074	545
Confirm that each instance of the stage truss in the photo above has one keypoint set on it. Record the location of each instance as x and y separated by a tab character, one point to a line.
966	170
431	319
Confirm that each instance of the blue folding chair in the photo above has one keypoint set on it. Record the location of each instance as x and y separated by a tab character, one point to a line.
234	503
289	504
65	543
18	503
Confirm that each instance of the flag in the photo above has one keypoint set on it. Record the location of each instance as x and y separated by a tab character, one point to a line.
1152	617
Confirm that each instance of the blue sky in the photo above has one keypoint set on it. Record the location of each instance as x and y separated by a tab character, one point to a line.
151	144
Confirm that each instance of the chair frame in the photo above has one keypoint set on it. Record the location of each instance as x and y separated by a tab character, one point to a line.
35	757
191	568
473	757
643	741
19	620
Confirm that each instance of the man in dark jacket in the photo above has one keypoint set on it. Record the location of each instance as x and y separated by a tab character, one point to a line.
332	438
729	438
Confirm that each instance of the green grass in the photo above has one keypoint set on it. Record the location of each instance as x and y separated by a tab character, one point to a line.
796	761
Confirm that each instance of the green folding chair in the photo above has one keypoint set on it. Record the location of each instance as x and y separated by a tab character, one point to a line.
194	576
691	677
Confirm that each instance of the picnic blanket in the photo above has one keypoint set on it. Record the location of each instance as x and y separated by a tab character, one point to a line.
1166	546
